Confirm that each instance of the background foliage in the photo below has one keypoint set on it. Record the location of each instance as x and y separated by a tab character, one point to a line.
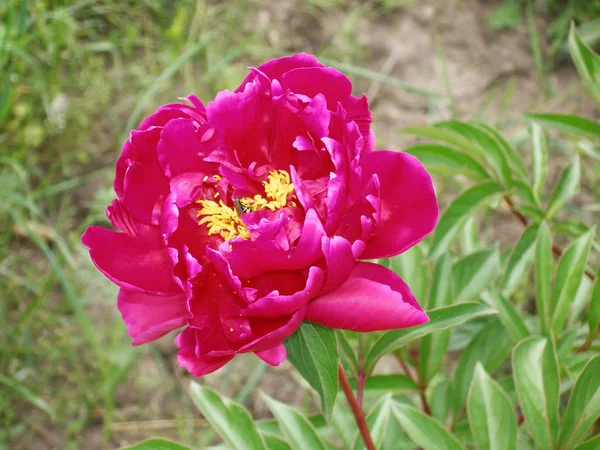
510	276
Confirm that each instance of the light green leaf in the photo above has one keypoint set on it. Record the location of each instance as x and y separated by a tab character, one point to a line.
591	444
510	318
347	354
434	346
424	431
539	154
457	214
567	187
571	124
587	62
157	444
543	276
312	349
298	430
594	312
274	442
511	153
520	260
584	405
411	267
439	158
535	370
229	420
377	420
392	383
489	347
473	273
491	415
440	319
571	267
449	137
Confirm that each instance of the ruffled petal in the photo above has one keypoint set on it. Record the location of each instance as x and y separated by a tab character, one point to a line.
409	209
149	317
187	357
273	356
312	81
373	298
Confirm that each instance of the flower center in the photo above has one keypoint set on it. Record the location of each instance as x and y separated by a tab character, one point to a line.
225	220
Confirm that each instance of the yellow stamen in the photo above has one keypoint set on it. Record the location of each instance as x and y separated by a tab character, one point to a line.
223	220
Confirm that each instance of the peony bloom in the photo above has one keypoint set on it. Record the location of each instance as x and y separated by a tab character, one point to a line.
240	219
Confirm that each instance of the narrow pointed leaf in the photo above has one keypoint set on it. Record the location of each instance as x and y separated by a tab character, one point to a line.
571	124
377	420
587	62
438	134
584	405
543	276
442	159
312	349
157	444
298	430
440	319
491	415
565	189
511	318
229	420
474	273
591	444
511	153
457	214
539	154
594	312
393	383
424	431
535	370
520	260
570	270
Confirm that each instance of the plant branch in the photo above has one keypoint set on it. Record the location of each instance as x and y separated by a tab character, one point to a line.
415	380
555	249
589	341
359	415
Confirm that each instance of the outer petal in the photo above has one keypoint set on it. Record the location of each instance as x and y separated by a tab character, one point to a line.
409	209
311	81
273	356
149	317
373	298
187	357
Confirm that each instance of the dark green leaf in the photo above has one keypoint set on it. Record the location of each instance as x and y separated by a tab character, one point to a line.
457	214
584	405
440	319
438	158
511	153
510	318
157	444
591	444
274	442
543	276
535	370
473	273
312	349
565	189
491	415
594	312
571	124
229	420
392	383
520	260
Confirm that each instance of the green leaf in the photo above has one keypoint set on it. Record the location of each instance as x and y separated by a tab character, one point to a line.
510	318
229	420
489	347
539	154
452	138
28	395
411	267
571	267
274	442
520	260
565	189
543	276
312	349
584	405
535	370
457	214
571	124
157	444
487	146
424	431
440	319
491	415
347	355
587	62
594	312
434	346
377	420
592	444
392	383
511	153
439	158
473	273
298	430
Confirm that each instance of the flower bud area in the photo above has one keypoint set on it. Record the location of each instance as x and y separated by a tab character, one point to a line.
225	217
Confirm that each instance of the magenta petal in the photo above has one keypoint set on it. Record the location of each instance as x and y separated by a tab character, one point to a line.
187	357
373	298
339	261
409	209
311	81
273	356
135	262
149	317
180	150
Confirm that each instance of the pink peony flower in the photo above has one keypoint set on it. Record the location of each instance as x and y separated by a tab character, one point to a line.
243	218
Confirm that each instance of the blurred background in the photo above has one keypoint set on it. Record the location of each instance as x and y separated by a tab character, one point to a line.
77	75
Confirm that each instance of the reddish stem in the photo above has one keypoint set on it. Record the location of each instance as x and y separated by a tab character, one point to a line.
360	386
359	416
589	341
418	382
520	420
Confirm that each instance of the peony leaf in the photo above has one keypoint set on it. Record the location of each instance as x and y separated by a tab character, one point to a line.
423	430
440	319
584	405
543	276
571	268
539	154
450	137
587	62
457	214
535	370
520	260
274	442
591	444
571	124
474	273
313	351
229	419
299	432
157	444
392	383
510	318
594	312
491	415
442	159
377	420
567	187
